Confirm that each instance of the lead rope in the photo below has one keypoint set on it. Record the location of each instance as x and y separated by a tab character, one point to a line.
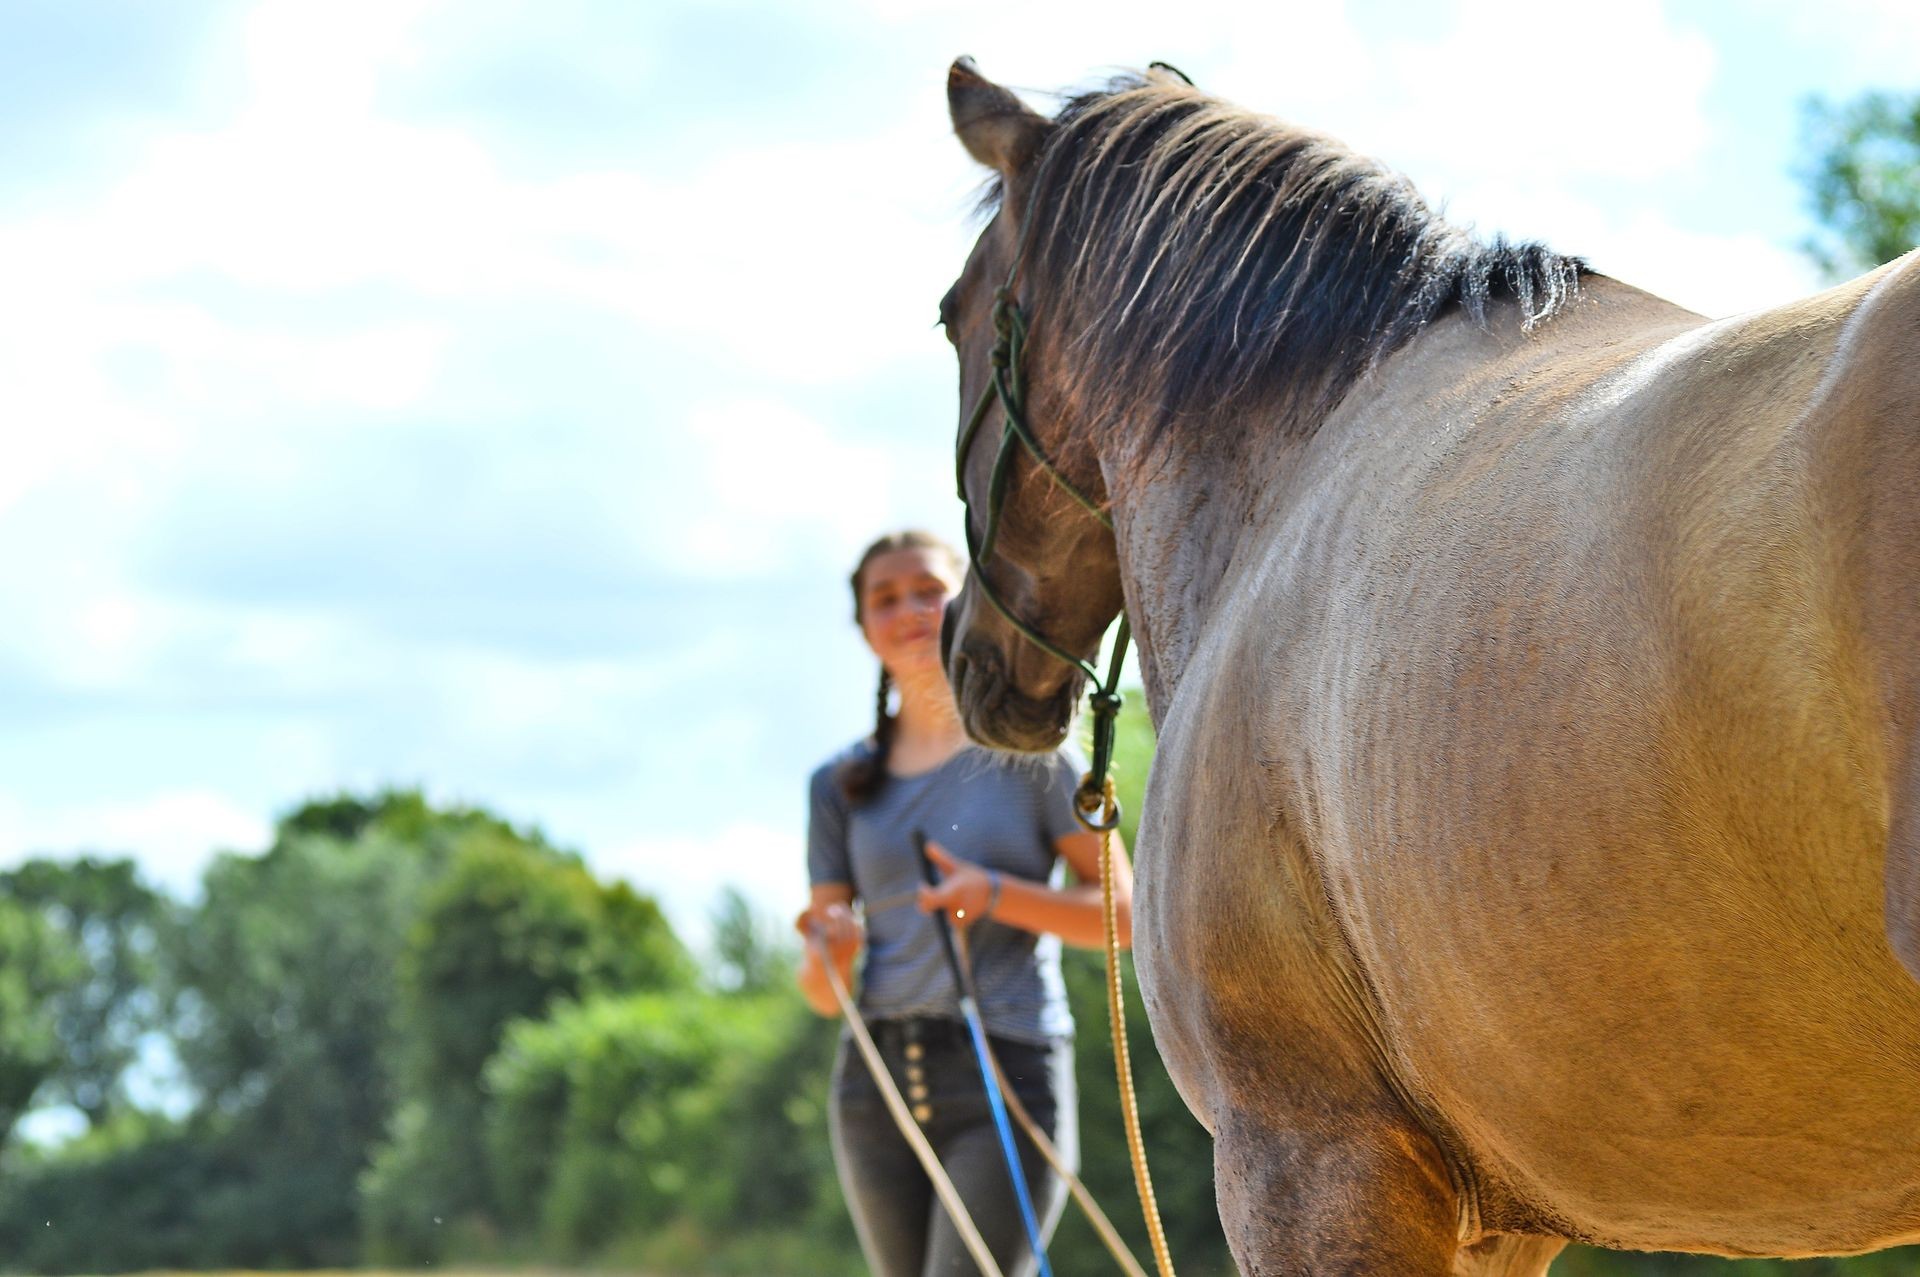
1098	808
1122	1058
896	1105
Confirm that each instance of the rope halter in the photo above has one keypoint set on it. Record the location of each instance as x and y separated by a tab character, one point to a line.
1094	803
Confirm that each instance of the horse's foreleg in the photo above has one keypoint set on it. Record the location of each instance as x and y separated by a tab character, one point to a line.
1351	1195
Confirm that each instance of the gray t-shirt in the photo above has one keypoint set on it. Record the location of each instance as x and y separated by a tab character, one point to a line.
1001	811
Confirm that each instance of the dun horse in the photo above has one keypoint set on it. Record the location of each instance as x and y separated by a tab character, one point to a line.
1533	846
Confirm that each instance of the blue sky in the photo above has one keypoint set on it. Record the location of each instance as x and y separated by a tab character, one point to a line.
492	397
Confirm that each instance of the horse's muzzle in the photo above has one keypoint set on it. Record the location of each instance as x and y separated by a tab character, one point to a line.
997	713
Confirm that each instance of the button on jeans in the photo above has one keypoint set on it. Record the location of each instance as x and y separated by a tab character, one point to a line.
903	1228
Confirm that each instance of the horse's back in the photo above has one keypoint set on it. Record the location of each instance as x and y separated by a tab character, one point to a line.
1570	707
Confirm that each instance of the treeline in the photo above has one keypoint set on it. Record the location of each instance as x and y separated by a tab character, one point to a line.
407	1035
402	1035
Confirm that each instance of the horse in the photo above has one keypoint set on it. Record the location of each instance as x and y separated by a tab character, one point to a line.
1532	848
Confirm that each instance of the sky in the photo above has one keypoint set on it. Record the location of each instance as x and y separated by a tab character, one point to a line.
493	397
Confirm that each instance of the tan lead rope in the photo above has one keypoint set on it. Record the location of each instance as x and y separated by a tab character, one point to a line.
1122	1060
943	1186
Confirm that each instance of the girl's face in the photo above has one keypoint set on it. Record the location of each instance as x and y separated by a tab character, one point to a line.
903	595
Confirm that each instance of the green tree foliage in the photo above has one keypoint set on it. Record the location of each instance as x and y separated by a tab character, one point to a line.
510	929
289	1013
170	1199
752	953
1861	168
113	921
288	967
37	966
293	1031
631	1116
141	1192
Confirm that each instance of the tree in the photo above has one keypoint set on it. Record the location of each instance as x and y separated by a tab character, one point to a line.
36	965
686	1126
289	1007
752	953
512	928
113	923
291	1019
1861	168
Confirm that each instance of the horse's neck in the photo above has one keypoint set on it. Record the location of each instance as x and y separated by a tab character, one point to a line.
1181	517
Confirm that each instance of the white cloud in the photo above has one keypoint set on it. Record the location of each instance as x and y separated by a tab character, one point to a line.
1717	275
171	833
1518	86
686	873
506	706
773	483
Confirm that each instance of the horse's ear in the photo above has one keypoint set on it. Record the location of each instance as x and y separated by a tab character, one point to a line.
996	127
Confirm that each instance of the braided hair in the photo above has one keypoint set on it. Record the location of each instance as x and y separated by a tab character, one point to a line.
862	776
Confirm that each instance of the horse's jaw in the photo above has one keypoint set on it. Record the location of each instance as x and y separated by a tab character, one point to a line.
994	710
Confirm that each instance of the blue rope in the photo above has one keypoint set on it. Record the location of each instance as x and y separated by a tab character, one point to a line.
1005	1127
970	1012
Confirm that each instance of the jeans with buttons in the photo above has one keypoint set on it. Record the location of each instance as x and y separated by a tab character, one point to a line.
903	1228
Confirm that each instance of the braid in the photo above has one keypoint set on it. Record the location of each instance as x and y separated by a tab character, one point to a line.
861	778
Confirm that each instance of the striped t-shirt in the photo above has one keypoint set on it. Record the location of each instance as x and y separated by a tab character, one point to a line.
1000	811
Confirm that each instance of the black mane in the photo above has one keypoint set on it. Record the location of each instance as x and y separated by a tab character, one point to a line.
1197	256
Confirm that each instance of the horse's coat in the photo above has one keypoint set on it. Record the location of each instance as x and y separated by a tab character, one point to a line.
1533	842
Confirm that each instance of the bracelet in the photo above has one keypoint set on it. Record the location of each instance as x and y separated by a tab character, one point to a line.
993	893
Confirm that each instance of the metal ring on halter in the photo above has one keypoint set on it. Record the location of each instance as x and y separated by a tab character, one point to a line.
1098	810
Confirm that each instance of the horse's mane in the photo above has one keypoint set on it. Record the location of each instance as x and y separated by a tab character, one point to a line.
1197	256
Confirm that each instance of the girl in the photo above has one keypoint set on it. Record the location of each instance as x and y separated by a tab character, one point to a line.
998	825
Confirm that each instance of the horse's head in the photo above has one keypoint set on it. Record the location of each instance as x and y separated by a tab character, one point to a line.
1044	582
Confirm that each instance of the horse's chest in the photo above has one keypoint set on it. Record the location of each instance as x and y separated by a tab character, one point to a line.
1240	961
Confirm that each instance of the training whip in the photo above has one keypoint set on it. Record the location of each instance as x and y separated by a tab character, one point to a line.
970	1012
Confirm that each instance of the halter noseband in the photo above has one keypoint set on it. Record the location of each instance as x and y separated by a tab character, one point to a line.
1095	810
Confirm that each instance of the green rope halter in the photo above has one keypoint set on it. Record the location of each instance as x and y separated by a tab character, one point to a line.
1097	810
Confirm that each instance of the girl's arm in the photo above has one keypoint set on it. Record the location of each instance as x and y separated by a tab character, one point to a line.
830	912
1073	913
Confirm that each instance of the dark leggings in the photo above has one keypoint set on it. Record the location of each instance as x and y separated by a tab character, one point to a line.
903	1227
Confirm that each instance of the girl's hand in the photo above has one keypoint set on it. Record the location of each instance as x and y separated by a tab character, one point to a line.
965	891
835	924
